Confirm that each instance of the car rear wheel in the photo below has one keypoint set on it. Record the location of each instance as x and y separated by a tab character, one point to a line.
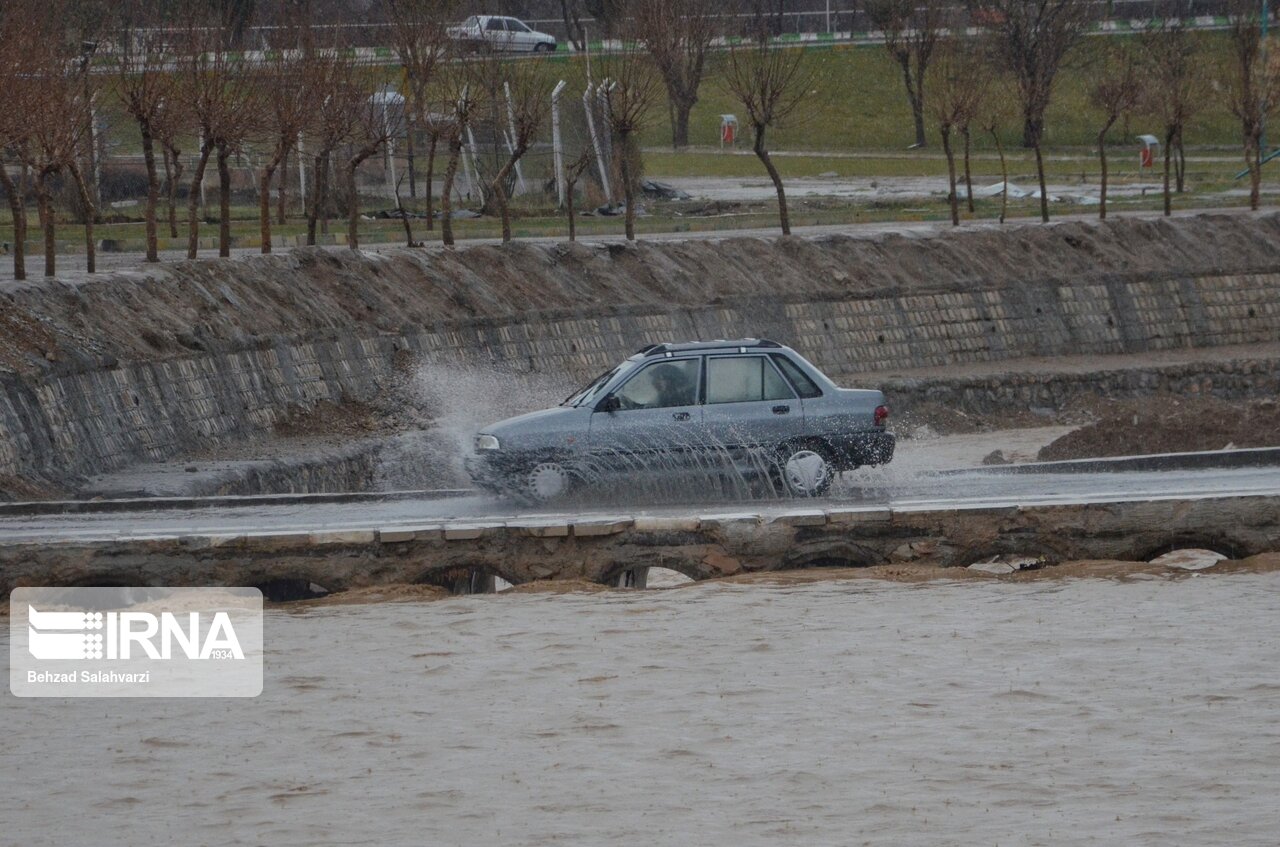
806	471
547	481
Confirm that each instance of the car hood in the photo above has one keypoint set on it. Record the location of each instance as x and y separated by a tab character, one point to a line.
562	425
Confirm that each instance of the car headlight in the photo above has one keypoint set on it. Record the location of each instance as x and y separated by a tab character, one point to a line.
487	442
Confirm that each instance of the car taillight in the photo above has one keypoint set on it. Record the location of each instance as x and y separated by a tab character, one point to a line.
882	414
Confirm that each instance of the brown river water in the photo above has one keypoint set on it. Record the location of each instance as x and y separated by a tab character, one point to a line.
1135	711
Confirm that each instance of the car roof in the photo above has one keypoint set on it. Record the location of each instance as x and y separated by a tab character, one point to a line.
719	344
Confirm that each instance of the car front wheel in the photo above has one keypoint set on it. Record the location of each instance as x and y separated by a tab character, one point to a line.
806	471
547	481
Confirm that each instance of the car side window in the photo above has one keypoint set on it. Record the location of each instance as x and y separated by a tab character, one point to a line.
517	26
661	385
805	386
744	379
495	25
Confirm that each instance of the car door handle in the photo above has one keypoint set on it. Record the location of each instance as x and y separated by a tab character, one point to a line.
680	416
781	410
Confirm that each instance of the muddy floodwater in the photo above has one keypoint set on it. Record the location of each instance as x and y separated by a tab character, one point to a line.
1143	711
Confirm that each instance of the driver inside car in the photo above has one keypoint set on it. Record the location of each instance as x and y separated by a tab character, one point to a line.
672	387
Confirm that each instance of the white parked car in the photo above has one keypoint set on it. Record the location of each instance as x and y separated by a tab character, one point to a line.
499	33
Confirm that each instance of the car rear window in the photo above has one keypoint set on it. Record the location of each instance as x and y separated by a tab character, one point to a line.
804	386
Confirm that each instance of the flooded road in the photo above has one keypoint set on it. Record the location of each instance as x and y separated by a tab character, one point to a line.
1143	711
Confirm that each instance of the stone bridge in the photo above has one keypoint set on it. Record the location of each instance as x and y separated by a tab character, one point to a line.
468	555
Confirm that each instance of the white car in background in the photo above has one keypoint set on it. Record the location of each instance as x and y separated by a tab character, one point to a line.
499	33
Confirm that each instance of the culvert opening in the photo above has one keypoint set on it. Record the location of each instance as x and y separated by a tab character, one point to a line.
465	580
1193	545
291	589
1189	558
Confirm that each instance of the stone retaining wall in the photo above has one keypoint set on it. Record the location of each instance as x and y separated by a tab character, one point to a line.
145	367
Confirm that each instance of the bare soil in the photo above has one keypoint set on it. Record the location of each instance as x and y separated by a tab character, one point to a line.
1166	424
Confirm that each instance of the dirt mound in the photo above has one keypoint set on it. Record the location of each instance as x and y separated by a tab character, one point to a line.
1169	425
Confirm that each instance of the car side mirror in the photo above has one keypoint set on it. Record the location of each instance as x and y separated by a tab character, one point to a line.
609	403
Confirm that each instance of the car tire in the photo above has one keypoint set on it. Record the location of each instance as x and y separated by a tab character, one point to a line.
805	470
543	48
546	481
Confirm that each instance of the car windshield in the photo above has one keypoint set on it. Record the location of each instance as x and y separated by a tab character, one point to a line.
582	395
471	22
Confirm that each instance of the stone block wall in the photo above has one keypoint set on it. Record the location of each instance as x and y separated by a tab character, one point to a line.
197	377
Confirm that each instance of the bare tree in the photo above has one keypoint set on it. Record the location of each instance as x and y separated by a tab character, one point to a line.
223	98
1253	88
419	31
911	30
633	88
993	116
144	85
1177	87
1116	92
374	122
958	78
770	83
170	125
342	97
573	28
58	119
1031	40
572	173
462	107
677	34
526	89
290	94
16	32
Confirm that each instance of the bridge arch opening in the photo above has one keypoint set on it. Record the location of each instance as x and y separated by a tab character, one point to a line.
830	554
1222	546
464	579
290	589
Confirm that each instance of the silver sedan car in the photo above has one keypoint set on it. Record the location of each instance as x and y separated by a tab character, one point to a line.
750	407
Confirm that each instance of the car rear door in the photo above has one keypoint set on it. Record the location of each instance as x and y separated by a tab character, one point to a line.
650	431
749	406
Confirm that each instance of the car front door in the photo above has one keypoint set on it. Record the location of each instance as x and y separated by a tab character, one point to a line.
750	408
652	421
521	35
496	35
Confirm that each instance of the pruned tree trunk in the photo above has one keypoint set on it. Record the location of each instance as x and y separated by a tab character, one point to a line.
446	191
762	153
680	109
1004	176
431	164
90	212
568	202
915	96
18	210
44	203
952	199
264	204
174	178
499	189
1044	189
968	174
282	198
224	201
628	190
153	193
353	203
1102	161
1180	165
193	202
1168	154
1253	161
318	192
